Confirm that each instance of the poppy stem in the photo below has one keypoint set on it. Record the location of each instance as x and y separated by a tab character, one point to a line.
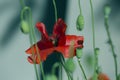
68	74
54	67
80	7
80	65
112	47
22	3
60	72
93	33
32	40
62	62
30	35
55	8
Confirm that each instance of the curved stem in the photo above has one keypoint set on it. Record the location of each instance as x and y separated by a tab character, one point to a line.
112	47
54	67
93	33
80	7
82	69
30	36
32	39
55	8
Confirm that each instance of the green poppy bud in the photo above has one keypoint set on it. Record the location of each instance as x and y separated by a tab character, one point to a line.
107	10
97	50
80	22
79	52
50	77
70	65
24	27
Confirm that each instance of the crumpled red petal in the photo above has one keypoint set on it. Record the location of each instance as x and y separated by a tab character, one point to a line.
59	28
41	27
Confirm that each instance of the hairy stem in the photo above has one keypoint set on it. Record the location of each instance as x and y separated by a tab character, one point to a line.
93	33
80	7
112	47
82	69
55	8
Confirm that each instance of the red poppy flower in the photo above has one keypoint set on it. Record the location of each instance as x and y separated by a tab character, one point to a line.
102	76
58	41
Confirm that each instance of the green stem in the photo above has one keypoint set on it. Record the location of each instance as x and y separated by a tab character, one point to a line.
55	8
22	3
54	67
62	64
68	74
80	7
60	72
82	69
30	36
112	47
93	33
32	40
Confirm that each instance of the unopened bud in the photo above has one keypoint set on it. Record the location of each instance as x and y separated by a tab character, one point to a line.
79	52
24	27
80	22
107	11
70	65
97	50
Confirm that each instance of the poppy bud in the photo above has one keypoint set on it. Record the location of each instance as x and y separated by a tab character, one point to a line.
24	27
78	52
70	65
97	50
51	77
80	22
107	11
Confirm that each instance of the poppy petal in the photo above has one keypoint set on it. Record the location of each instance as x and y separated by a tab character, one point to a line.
41	27
77	39
41	46
59	28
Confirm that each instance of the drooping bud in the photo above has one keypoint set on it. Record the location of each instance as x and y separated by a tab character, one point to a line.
24	27
80	22
79	52
70	65
107	11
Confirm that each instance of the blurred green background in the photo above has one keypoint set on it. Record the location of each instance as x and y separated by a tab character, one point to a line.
13	60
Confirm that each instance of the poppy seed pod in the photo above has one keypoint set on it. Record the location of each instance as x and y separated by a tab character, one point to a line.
70	65
107	10
24	27
80	22
78	52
